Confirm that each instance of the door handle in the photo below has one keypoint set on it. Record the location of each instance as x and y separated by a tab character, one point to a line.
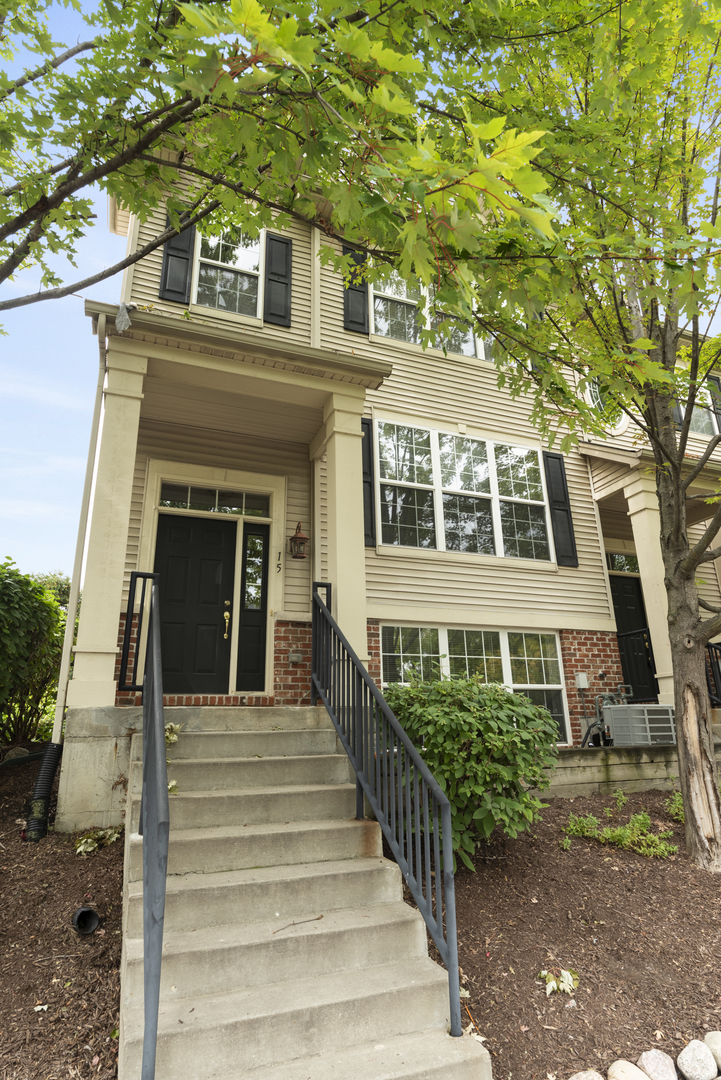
226	616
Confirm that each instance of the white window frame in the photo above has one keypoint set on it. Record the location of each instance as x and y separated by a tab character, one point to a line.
707	409
197	259
438	491
445	662
376	289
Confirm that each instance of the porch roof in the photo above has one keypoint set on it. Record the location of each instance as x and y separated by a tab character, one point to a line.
242	346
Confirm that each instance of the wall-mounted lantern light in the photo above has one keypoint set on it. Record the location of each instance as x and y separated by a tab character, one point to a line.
298	542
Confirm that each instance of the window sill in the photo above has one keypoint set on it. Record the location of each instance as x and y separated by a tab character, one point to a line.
393	550
214	314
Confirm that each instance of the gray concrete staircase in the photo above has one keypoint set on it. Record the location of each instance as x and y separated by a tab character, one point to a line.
263	835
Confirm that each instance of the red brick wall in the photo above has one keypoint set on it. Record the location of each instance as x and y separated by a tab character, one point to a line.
592	651
292	680
374	650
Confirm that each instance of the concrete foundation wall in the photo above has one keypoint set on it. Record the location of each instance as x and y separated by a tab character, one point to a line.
94	768
632	768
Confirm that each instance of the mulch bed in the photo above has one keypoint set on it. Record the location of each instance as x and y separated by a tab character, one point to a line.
643	934
43	962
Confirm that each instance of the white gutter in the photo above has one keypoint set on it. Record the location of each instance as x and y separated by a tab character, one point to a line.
80	545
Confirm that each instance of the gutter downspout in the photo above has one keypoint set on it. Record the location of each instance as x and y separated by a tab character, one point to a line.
80	545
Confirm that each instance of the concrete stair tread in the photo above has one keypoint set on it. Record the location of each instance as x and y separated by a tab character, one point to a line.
223	832
227	935
278	1001
287	789
428	1055
238	718
265	875
205	745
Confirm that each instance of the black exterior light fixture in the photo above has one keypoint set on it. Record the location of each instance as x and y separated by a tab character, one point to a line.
298	543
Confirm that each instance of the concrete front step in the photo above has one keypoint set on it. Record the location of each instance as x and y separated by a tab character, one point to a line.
222	959
255	806
244	717
241	847
196	901
198	745
225	1035
233	773
426	1055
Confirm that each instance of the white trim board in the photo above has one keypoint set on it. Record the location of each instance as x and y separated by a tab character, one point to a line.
207	476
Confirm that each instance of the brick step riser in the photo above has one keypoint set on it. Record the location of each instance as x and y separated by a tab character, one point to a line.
231	1049
261	772
293	897
250	808
276	960
208	855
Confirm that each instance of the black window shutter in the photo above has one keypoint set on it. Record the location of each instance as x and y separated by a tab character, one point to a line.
278	279
177	272
559	505
369	502
355	297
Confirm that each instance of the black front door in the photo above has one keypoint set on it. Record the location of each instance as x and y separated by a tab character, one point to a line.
253	615
634	640
195	558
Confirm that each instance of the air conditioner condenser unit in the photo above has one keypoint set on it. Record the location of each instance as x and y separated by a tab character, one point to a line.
640	725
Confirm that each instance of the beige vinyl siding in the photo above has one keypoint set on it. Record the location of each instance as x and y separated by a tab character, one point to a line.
146	283
706	577
136	521
198	446
477	587
609	477
322	537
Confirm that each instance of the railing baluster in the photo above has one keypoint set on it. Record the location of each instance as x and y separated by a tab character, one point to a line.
392	775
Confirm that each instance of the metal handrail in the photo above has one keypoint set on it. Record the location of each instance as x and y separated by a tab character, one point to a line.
713	672
396	781
154	824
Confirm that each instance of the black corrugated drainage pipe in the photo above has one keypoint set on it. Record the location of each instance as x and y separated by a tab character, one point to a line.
37	826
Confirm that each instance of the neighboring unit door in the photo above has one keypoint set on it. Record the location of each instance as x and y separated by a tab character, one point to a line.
253	615
634	640
195	558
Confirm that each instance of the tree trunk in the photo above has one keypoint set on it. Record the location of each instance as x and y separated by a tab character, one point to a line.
694	731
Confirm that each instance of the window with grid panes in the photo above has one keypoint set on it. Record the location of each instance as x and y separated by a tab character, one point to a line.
401	309
704	420
229	272
479	497
410	652
528	663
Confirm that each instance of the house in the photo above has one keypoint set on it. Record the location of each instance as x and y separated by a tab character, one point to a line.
254	394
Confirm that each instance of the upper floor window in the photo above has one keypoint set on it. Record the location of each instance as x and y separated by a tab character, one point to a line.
453	493
705	421
229	272
401	309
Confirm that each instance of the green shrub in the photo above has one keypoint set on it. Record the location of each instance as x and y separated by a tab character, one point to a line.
31	638
486	748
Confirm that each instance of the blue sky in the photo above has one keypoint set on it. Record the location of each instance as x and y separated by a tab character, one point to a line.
48	373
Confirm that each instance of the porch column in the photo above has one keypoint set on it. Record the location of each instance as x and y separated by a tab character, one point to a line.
643	510
340	438
93	681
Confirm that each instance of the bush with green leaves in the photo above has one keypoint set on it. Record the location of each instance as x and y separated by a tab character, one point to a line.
32	625
635	836
486	747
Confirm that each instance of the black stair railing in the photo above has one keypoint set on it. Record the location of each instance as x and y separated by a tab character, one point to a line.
713	672
142	628
408	803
